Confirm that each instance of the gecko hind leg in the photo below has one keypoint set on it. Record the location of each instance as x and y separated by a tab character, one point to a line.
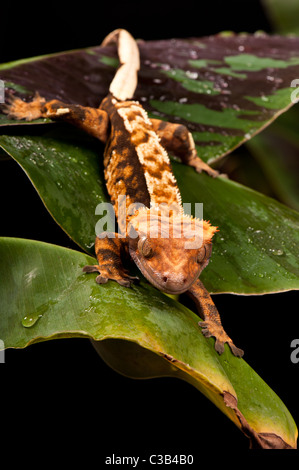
109	250
177	139
18	109
94	121
211	324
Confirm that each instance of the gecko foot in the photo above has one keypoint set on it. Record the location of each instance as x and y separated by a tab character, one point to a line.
200	166
19	109
108	273
210	328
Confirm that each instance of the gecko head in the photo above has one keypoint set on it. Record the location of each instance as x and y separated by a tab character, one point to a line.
170	250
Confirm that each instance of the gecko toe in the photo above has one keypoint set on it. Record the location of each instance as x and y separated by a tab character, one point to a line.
205	329
101	280
124	282
219	346
127	280
236	351
90	269
210	328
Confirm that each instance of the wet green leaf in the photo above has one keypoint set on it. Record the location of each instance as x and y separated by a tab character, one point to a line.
45	295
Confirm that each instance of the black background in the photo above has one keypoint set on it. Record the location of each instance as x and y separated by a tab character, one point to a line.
59	395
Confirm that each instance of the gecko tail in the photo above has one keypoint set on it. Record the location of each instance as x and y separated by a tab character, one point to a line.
124	84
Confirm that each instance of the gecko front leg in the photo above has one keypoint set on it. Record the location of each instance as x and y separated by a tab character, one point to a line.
211	326
110	249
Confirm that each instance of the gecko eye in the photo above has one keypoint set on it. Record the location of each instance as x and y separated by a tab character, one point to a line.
145	248
204	253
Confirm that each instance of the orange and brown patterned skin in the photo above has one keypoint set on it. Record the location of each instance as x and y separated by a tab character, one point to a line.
137	166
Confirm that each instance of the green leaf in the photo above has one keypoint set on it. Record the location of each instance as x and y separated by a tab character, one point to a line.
283	14
45	295
278	158
255	251
225	88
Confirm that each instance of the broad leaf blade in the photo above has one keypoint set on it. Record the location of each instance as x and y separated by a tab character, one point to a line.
224	88
44	295
255	251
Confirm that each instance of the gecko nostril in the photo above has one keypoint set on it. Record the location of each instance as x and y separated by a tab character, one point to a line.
165	278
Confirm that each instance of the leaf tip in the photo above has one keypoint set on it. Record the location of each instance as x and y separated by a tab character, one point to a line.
257	440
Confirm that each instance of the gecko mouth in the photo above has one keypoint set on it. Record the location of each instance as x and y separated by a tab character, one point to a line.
179	288
162	282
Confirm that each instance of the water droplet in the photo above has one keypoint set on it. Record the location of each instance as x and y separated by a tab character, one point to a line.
190	74
30	320
261	275
193	54
165	66
276	252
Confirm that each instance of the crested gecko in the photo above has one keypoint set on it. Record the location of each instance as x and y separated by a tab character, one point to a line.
137	166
